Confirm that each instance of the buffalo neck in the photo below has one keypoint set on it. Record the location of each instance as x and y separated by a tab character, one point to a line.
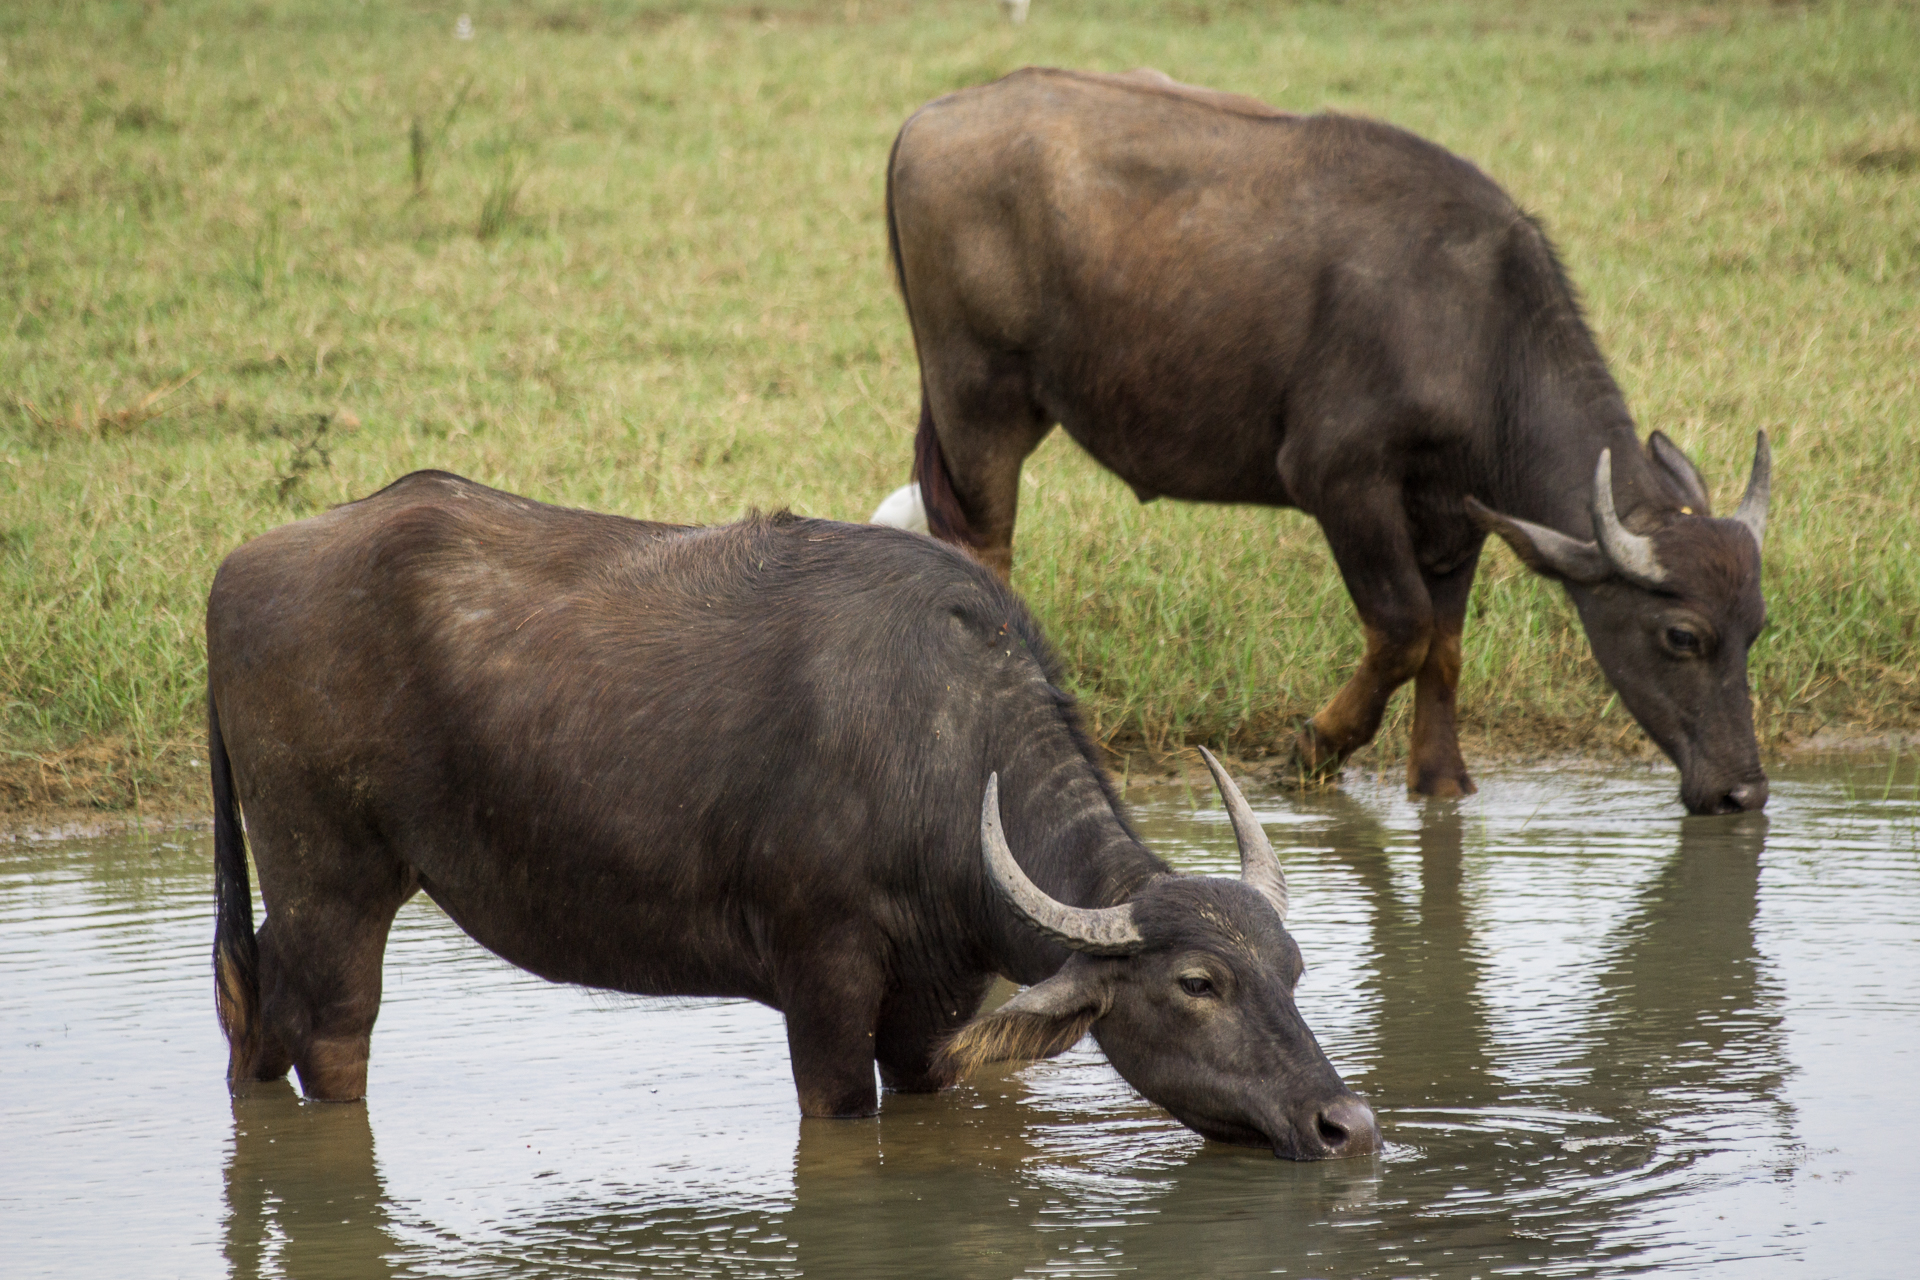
1067	835
1566	410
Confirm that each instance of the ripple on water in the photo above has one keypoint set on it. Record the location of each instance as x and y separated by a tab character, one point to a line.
1600	1037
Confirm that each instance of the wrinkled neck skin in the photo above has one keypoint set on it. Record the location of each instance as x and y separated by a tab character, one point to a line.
1544	471
1546	467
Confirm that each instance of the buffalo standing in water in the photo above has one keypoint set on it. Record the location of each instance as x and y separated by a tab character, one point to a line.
1226	303
743	761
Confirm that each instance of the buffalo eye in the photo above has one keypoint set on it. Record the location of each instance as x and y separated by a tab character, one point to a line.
1196	986
1683	640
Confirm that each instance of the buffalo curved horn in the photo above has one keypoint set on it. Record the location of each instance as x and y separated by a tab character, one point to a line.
1258	865
1100	931
1631	554
1753	507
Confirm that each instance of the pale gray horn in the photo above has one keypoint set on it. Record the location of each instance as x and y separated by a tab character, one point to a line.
1753	507
1632	556
1100	931
1258	865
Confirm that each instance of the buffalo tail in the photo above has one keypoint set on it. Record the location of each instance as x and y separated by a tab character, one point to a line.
946	519
236	951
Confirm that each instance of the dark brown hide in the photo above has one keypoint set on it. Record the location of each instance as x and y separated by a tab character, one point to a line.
742	761
1225	303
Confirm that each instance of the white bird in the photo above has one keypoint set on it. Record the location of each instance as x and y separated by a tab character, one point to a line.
902	510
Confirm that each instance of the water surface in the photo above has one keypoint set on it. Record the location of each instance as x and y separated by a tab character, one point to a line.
1601	1038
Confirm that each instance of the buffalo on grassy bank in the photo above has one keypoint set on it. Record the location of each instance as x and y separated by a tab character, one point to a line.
1222	302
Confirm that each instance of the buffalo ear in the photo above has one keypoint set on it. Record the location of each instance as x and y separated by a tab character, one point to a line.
1547	552
1042	1021
1680	469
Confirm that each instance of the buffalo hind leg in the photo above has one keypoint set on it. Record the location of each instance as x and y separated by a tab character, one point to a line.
985	424
1375	553
1434	764
320	983
258	1058
330	903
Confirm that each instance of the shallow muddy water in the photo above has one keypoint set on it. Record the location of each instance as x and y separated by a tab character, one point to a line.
1600	1037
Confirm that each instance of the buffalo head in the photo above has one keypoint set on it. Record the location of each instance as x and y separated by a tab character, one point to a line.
1671	610
1188	987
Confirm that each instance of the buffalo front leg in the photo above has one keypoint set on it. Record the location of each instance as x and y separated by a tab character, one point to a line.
831	1013
1434	764
1350	720
1371	545
915	1023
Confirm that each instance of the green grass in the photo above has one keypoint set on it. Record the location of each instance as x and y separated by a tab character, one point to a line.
260	257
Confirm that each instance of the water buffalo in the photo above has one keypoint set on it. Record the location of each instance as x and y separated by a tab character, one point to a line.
1225	303
743	761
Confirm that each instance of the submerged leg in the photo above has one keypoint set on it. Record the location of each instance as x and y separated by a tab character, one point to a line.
913	1025
320	980
832	1004
258	1058
330	902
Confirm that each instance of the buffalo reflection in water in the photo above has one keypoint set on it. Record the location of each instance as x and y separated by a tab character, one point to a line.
1553	1134
1511	1146
304	1195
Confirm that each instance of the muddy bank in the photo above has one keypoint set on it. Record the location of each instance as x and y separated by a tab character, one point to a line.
1143	766
102	788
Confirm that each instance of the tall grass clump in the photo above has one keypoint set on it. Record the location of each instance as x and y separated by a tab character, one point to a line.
425	145
502	196
228	226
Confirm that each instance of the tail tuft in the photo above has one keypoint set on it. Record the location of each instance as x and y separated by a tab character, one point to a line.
236	950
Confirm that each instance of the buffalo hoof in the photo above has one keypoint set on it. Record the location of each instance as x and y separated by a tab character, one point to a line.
1440	785
1313	764
335	1069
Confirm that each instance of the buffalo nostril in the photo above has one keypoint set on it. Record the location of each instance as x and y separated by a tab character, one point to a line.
1346	1127
1745	798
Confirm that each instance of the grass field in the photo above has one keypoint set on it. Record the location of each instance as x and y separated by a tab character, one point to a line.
260	257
